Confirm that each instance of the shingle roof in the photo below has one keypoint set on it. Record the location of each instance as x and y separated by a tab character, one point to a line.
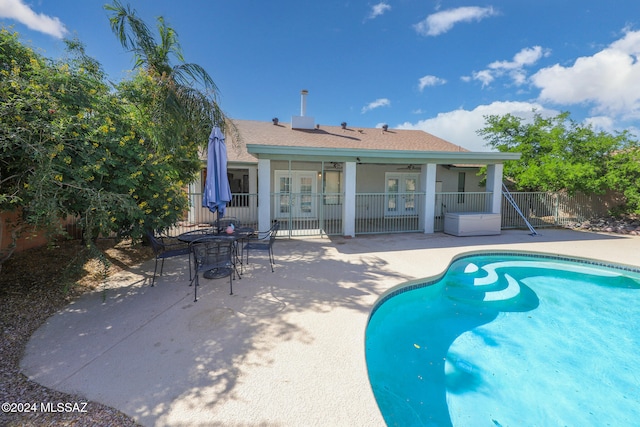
266	133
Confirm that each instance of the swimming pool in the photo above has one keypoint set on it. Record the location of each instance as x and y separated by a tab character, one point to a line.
509	339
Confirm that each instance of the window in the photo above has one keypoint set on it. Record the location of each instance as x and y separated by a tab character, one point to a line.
239	184
332	187
461	181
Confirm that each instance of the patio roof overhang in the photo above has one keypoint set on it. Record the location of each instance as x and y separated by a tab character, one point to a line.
282	152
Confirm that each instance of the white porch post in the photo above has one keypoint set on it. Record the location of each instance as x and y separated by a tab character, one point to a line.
494	185
349	202
253	191
192	196
428	183
264	194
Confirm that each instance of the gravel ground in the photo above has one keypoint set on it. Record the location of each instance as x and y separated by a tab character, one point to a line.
626	225
34	284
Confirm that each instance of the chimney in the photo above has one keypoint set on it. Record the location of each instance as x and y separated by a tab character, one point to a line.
303	102
302	121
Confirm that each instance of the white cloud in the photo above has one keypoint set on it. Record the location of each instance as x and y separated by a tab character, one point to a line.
527	56
608	80
381	102
602	123
430	81
485	76
460	126
379	9
441	22
514	68
17	10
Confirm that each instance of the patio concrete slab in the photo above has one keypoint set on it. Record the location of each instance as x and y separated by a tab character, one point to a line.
287	349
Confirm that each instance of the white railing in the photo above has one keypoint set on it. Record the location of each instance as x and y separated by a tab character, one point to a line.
307	214
243	206
451	202
388	213
321	214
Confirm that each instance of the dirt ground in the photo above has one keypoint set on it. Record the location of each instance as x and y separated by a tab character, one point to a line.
34	284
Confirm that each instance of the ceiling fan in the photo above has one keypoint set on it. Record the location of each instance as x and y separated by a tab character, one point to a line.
410	167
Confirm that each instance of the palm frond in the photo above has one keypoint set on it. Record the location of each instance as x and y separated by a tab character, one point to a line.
168	41
133	34
186	105
187	74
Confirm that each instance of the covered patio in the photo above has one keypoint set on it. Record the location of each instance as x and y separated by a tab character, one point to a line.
330	180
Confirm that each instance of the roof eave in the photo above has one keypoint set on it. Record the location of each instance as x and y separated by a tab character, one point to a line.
282	152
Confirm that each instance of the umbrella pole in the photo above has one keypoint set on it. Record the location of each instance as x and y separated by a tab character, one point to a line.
218	229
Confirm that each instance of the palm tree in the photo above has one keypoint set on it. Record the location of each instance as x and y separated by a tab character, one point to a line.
185	96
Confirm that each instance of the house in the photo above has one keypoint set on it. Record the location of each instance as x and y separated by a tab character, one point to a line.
349	180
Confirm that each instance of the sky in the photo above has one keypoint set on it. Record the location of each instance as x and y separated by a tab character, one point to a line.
436	65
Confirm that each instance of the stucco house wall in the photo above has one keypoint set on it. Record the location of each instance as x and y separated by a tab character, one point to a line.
400	170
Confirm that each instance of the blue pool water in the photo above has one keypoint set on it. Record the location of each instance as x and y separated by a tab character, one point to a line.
509	340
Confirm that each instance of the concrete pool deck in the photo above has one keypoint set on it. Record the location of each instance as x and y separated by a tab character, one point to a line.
287	349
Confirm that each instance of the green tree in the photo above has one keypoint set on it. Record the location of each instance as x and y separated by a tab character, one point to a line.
560	154
557	153
116	159
48	111
180	100
624	176
70	145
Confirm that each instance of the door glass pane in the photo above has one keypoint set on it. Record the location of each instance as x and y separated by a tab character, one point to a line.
285	184
392	203
306	186
305	203
392	185
284	203
285	196
410	185
409	198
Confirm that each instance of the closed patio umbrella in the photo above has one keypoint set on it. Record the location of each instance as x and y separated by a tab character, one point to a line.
217	192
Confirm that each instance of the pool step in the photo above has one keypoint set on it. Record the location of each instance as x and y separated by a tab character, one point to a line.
482	285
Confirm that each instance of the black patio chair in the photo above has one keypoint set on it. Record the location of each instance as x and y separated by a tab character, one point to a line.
163	250
263	241
214	256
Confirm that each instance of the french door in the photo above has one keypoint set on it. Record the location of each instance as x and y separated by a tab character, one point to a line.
400	194
296	194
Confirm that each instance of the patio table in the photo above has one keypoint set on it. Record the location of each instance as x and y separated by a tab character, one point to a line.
239	234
